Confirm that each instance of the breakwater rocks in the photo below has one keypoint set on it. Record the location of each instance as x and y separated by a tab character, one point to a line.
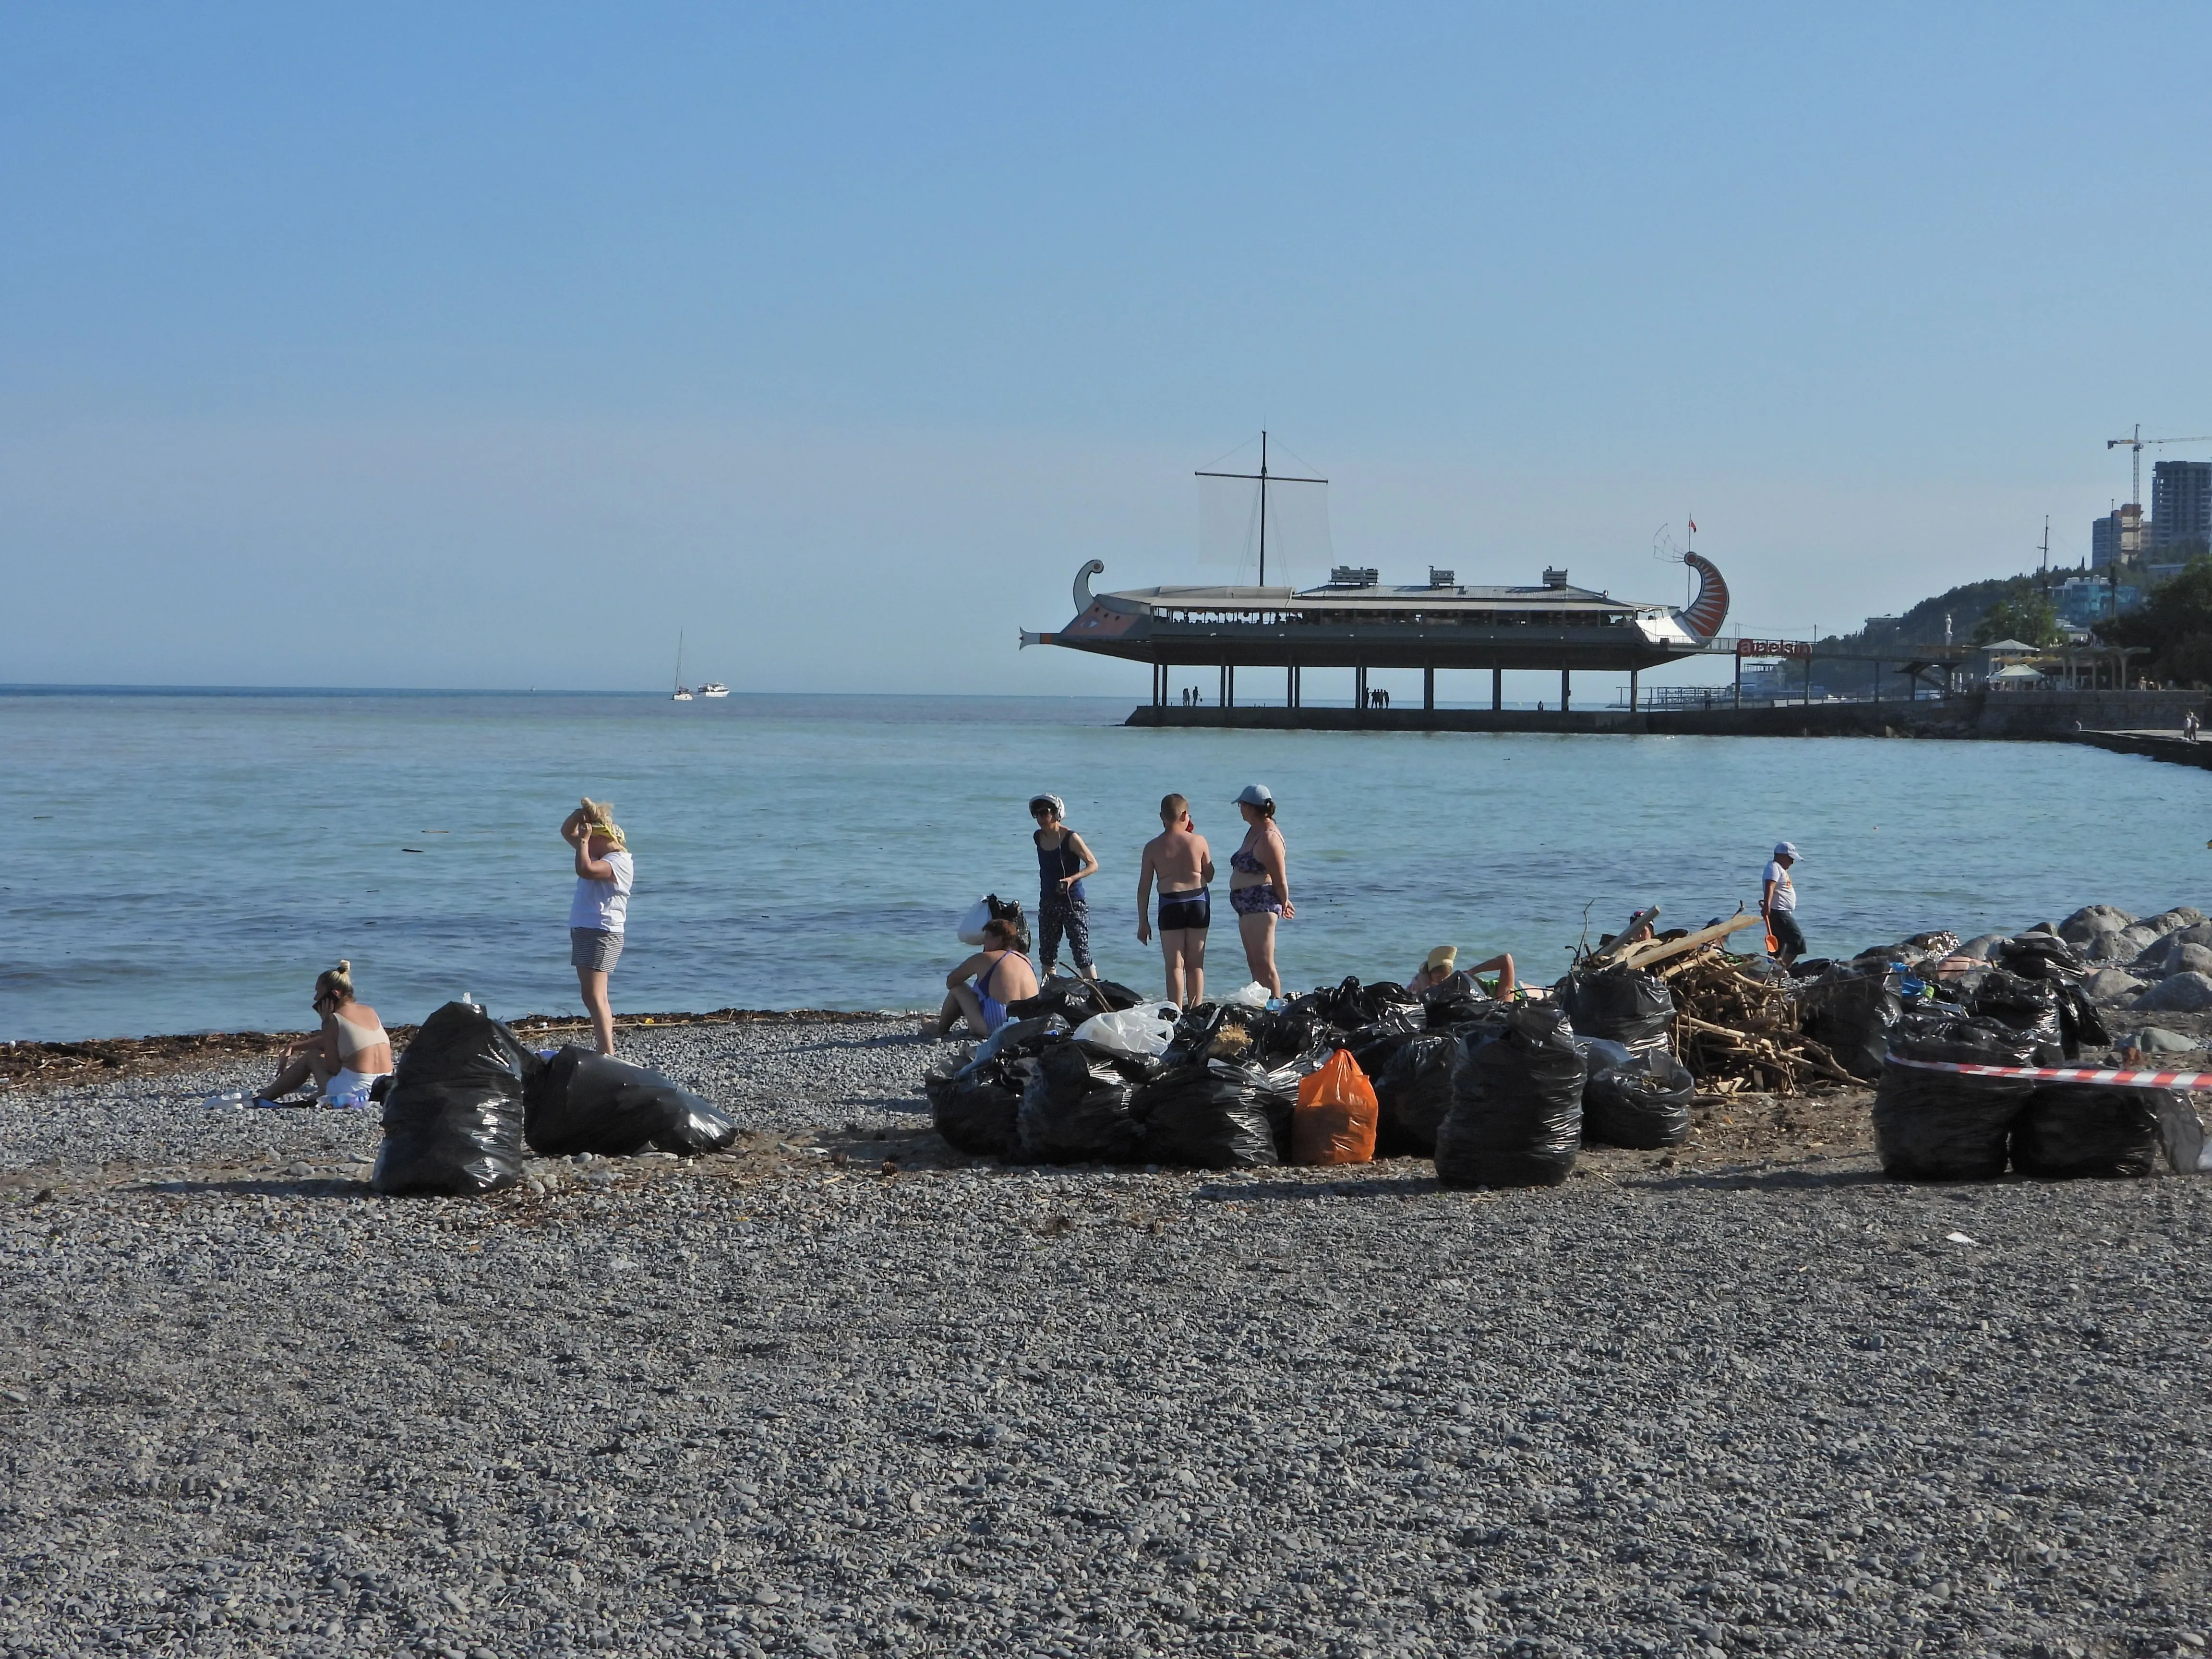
2154	965
1744	1396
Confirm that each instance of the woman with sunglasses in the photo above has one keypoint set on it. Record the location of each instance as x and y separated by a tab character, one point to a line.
1062	863
346	1057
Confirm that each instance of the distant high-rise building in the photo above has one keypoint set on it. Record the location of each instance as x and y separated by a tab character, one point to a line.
2181	507
2118	535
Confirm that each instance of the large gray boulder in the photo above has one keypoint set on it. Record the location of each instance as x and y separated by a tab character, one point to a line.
1981	946
2125	946
2091	919
2155	1040
2167	921
2111	986
2171	954
2179	993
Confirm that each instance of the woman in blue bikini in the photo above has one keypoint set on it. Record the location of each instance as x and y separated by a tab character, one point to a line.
1259	884
1000	974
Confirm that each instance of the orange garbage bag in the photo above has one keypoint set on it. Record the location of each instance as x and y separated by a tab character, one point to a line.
1334	1123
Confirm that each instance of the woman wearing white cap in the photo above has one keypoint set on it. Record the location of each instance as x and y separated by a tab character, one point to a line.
1259	884
1063	861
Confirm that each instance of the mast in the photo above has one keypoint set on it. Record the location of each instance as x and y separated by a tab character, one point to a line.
1263	507
1263	477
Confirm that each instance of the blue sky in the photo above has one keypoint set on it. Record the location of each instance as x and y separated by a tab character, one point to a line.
489	345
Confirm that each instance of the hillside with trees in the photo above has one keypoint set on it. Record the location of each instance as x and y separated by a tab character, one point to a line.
2174	624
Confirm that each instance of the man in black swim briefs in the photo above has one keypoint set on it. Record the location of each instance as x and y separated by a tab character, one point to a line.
1179	860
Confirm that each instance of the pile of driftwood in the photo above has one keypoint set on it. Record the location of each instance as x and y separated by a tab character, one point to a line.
1734	1031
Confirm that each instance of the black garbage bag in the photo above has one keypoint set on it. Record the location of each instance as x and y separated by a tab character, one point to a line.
1619	1004
1298	1028
2039	956
1074	1000
1414	1091
452	1123
2074	1129
1849	1011
1218	1030
1642	1104
1351	1005
2080	1025
1210	1115
1374	1046
583	1102
1944	1126
1455	1001
1020	1037
975	1105
1517	1110
1075	1109
2029	1006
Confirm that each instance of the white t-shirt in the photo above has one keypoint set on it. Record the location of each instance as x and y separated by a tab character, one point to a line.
1786	894
603	904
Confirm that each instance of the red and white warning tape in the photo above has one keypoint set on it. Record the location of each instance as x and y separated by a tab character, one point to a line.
2068	1074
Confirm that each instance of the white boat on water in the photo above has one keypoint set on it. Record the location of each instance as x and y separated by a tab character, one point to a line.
714	689
683	691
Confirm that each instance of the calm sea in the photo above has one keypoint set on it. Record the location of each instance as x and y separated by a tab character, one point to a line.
189	862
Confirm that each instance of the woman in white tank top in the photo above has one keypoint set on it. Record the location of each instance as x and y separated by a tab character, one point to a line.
345	1058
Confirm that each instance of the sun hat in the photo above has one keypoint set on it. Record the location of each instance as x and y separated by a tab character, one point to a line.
1786	849
1254	794
1058	806
1442	958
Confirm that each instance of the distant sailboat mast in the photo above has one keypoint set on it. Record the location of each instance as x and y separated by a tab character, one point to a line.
682	693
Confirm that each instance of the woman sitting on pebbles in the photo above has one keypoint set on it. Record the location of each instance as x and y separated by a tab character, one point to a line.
345	1058
1000	974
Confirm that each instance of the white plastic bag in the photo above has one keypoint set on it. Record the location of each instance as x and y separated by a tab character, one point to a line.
972	924
1144	1032
1254	995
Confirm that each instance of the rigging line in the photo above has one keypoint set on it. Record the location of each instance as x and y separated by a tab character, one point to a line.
1238	450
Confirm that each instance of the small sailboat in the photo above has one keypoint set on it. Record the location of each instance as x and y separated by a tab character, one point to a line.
683	691
714	689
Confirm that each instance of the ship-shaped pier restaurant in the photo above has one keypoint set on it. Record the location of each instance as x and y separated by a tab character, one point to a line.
1353	622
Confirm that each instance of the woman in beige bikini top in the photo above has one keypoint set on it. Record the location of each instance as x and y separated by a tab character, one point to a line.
346	1057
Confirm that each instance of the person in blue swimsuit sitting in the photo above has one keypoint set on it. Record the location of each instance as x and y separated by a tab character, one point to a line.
980	987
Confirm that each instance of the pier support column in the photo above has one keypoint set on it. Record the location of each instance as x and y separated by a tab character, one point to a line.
1359	687
1496	689
1631	691
1221	696
1739	679
1429	688
1229	688
1289	688
1566	690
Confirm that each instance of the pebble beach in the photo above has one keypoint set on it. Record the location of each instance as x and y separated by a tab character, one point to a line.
841	1391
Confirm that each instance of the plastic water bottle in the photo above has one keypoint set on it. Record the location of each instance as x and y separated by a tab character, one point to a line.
217	1102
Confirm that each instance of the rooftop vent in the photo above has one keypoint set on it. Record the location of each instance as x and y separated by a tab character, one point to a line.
1353	575
1554	578
1442	578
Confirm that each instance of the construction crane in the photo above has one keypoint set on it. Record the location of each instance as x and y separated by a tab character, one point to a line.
2139	443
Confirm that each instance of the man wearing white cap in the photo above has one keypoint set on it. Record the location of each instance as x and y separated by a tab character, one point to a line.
1778	902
